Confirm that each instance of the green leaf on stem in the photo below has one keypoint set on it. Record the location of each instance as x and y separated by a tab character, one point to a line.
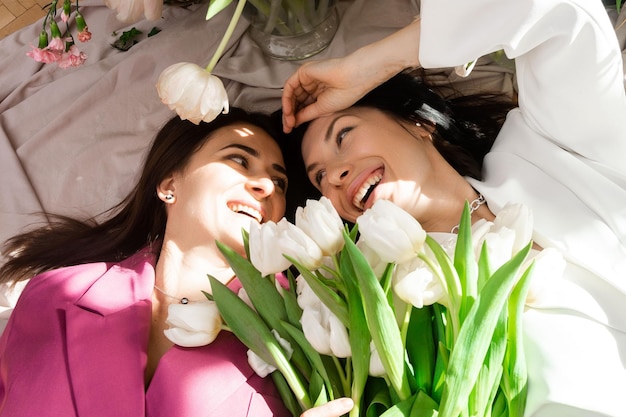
467	357
465	263
420	347
359	333
329	379
515	381
327	295
265	298
216	6
253	332
380	320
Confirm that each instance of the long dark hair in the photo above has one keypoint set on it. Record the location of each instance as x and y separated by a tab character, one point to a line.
139	220
464	127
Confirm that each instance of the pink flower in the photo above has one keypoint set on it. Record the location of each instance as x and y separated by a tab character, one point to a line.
64	16
57	44
72	58
84	35
44	55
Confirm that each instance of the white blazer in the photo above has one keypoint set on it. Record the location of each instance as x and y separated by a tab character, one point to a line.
562	153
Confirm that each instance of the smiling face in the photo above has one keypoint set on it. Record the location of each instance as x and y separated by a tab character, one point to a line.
236	177
362	155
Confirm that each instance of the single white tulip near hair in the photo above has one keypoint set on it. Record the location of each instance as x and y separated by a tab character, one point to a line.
193	92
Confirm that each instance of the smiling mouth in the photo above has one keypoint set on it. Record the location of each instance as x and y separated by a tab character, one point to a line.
366	190
247	210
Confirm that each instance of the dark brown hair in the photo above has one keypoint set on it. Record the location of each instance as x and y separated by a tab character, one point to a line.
464	127
139	220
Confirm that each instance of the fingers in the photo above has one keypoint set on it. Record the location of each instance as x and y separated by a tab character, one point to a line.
333	408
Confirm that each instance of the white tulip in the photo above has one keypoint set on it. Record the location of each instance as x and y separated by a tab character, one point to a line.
263	368
194	93
519	218
510	231
548	271
391	232
131	11
414	283
320	221
377	265
321	327
293	242
376	367
264	252
193	324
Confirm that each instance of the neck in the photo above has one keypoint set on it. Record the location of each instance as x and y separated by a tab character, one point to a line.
184	274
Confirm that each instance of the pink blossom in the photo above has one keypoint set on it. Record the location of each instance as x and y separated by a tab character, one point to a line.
72	58
84	35
44	55
57	44
64	16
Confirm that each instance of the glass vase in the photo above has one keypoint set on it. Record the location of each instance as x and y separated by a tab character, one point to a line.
291	29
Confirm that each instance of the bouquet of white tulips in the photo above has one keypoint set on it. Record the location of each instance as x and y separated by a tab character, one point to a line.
404	325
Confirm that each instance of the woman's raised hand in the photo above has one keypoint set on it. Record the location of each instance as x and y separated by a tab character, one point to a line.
335	408
319	88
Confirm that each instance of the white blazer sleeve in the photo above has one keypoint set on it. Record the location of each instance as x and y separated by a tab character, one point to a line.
568	63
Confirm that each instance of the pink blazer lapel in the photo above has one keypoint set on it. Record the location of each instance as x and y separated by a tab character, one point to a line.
107	337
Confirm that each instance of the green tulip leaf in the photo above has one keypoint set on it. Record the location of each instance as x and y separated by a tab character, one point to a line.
380	320
466	359
252	331
216	6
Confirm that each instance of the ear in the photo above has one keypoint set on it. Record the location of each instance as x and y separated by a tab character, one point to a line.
166	190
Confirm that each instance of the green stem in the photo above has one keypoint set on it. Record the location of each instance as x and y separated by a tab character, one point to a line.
452	289
229	31
405	324
342	375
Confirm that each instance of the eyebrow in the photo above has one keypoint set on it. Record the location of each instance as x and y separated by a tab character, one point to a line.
255	153
327	138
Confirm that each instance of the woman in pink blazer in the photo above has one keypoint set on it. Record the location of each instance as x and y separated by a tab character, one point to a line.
87	338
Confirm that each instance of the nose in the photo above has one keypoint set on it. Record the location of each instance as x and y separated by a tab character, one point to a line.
260	187
337	174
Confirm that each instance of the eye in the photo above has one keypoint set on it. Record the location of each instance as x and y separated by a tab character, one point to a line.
239	159
318	176
341	135
280	183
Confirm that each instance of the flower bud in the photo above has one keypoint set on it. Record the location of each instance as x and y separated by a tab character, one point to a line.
321	327
391	232
81	24
263	368
264	254
293	242
320	221
54	29
67	10
193	324
414	283
194	93
43	39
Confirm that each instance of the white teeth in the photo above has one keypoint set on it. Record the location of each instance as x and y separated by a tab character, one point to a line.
240	208
370	182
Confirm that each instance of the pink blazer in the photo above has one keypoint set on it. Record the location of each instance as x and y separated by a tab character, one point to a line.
76	345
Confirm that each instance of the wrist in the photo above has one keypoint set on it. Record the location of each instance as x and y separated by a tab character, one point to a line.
393	53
